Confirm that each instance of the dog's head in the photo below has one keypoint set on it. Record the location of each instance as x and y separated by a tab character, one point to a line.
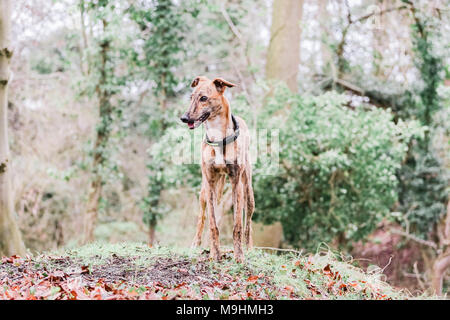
206	100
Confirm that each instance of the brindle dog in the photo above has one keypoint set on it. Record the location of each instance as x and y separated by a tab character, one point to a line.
210	107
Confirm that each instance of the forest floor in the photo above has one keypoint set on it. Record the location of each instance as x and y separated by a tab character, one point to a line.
136	271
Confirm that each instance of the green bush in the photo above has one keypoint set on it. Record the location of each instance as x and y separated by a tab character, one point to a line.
337	173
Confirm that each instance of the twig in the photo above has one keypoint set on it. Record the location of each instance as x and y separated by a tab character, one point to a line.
238	35
417	274
230	22
379	13
390	260
349	13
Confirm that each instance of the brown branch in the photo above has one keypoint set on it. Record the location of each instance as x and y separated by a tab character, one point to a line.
349	13
414	238
379	13
238	35
417	274
350	86
232	26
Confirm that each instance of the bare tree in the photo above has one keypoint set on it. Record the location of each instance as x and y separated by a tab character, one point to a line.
10	237
283	56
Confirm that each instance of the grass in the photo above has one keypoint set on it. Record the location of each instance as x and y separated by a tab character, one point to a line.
323	275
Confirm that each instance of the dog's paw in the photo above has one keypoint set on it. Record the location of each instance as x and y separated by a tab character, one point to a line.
215	255
239	257
195	245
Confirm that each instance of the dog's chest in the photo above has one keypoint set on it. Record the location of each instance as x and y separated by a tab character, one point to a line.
219	158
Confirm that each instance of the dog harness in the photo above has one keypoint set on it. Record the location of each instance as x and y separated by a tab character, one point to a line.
226	140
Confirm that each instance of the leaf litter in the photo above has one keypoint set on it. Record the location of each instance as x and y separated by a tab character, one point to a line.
119	277
170	277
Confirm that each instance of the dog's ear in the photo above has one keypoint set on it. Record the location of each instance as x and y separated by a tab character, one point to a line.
221	84
194	82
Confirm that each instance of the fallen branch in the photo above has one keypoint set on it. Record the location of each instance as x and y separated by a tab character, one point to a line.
280	249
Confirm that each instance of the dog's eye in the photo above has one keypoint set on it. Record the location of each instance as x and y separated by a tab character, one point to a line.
203	98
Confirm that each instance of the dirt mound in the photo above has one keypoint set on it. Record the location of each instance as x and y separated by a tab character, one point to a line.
166	271
126	277
135	271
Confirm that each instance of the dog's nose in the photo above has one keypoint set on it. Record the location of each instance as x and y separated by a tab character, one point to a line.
184	118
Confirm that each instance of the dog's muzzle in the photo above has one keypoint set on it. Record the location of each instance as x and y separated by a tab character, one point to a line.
192	124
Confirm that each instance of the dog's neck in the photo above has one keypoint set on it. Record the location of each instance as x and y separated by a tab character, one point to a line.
221	125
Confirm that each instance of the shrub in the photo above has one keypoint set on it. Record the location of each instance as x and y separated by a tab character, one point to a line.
337	173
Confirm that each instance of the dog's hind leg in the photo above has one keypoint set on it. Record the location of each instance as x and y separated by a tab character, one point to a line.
250	206
200	220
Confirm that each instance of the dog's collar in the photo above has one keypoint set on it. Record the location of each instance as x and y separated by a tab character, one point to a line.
226	140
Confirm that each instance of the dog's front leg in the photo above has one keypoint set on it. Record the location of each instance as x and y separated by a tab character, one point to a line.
200	219
238	196
214	231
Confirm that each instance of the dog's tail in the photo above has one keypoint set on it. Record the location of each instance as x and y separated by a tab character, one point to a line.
249	207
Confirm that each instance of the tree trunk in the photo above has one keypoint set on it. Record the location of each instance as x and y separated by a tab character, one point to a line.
283	56
151	233
440	266
10	237
442	262
90	219
84	66
101	141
